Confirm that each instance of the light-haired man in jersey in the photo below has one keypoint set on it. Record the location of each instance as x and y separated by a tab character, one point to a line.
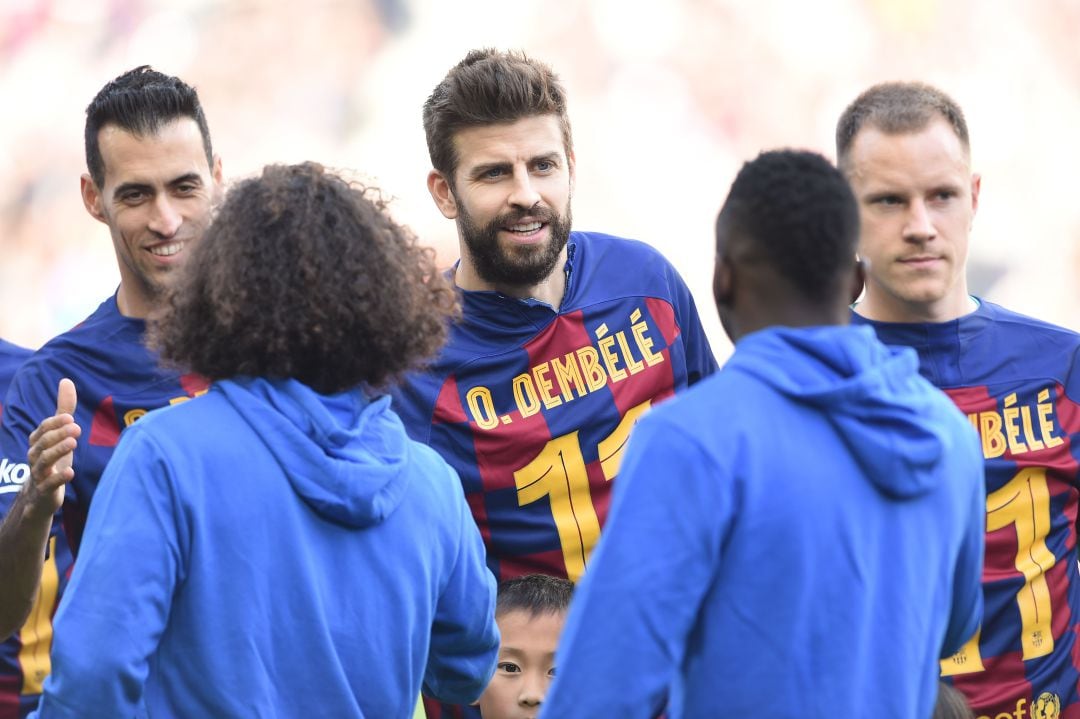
905	149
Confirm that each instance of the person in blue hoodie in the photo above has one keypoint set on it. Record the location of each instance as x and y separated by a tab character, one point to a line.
279	547
799	535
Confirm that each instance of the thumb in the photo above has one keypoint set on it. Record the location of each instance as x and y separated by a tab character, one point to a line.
66	398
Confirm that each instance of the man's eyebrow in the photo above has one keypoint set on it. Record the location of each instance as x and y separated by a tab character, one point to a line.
190	177
480	169
127	187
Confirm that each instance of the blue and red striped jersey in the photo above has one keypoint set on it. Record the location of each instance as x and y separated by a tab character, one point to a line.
533	405
1018	381
11	358
118	380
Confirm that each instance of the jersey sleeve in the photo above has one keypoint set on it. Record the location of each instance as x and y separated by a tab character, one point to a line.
120	593
464	636
29	401
636	606
700	360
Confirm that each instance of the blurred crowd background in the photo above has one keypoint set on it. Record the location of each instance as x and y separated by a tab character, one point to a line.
667	99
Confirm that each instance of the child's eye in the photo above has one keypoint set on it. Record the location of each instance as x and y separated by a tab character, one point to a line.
551	672
509	667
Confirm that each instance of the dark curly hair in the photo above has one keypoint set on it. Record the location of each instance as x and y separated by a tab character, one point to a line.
489	87
895	108
794	211
535	594
304	275
140	101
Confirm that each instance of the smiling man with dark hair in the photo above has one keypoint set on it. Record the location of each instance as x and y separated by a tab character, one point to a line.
151	179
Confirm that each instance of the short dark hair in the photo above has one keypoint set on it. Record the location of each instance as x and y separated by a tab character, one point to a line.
535	594
490	87
141	101
304	275
794	211
894	108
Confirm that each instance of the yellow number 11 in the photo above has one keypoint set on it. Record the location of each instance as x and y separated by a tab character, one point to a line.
559	472
1025	503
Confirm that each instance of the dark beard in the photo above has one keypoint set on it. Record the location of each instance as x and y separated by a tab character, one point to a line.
523	267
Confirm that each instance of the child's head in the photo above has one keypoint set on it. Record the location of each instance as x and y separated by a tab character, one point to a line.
530	612
951	704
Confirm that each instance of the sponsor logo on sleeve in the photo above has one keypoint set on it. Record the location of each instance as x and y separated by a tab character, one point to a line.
12	475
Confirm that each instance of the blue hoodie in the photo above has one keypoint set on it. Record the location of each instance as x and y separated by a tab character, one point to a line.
798	536
268	551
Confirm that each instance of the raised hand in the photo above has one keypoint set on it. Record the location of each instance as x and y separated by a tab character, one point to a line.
51	452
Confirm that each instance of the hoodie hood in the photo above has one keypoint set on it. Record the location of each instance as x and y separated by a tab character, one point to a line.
344	454
871	393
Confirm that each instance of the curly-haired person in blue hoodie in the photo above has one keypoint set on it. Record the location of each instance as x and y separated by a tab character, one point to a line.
799	535
278	547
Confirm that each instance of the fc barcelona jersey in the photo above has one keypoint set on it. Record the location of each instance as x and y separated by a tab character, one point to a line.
533	405
11	358
1018	381
117	380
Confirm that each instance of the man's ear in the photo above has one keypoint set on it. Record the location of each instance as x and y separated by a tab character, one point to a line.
91	198
723	281
858	280
443	194
571	163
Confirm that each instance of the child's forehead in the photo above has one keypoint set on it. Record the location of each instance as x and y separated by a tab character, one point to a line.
522	621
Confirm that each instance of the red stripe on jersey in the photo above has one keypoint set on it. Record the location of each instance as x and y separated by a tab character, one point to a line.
475	500
10	686
1010	681
104	428
664	316
448	409
538	563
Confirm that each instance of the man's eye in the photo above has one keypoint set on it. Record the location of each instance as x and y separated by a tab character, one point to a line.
493	173
509	667
545	166
131	197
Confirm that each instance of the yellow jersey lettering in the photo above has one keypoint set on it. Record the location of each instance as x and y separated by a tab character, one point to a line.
1009	417
590	367
993	441
525	397
568	375
632	365
1047	423
544	386
611	360
482	407
1033	444
133	415
645	343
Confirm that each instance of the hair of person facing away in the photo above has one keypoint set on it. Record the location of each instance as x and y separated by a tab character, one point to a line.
795	212
896	108
535	594
304	275
141	101
951	704
490	87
